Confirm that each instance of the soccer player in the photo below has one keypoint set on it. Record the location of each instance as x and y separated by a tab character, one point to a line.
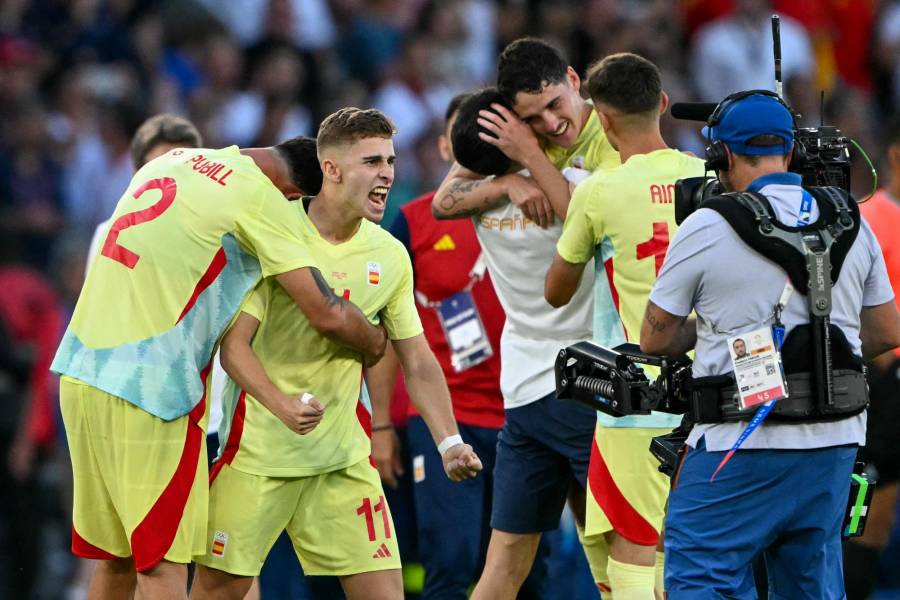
550	129
320	485
628	211
192	235
155	136
542	440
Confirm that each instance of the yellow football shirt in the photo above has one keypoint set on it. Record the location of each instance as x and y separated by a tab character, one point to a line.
628	211
591	150
189	239
374	272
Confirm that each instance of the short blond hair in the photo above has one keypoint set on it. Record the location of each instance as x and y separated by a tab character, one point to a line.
350	124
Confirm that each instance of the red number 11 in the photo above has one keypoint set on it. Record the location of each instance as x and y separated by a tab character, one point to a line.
365	509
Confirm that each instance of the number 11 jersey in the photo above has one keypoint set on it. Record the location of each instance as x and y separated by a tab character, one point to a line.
190	238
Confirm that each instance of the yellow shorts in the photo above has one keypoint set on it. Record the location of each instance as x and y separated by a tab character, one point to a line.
626	492
338	522
140	482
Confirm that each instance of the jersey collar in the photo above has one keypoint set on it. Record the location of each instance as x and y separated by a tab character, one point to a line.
776	179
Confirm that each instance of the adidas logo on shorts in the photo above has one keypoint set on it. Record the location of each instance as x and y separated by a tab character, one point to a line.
382	552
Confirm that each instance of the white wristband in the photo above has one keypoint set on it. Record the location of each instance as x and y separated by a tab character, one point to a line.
449	442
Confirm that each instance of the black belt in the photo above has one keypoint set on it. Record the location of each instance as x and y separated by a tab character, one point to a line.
715	400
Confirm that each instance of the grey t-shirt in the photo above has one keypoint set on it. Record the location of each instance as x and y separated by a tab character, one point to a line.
733	290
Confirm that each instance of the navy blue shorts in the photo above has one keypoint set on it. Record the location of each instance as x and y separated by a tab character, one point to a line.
543	449
785	505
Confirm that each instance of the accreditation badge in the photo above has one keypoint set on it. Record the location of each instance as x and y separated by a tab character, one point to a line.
464	331
757	368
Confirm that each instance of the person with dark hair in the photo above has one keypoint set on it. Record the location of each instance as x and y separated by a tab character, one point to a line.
544	126
301	155
777	488
191	236
881	450
542	440
628	213
448	266
310	473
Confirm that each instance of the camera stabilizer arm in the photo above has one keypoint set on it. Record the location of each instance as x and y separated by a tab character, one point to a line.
610	381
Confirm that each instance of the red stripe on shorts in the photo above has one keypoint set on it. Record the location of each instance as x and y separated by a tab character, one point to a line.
153	536
234	437
212	271
626	521
365	421
83	548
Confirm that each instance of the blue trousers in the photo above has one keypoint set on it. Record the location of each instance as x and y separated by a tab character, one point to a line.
786	505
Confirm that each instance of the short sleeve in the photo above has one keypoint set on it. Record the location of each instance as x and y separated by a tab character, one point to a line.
681	272
400	315
272	230
877	289
256	302
580	234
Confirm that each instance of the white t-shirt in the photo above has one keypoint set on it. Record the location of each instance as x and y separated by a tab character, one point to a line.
733	290
518	254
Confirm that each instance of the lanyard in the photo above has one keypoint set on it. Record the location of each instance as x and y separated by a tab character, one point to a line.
475	275
778	335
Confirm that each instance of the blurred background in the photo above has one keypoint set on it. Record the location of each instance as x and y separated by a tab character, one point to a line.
78	76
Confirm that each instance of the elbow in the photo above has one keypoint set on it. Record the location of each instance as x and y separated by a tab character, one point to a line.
228	356
328	323
652	347
555	299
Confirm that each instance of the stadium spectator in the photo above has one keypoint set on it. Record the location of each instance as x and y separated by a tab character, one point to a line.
627	216
268	478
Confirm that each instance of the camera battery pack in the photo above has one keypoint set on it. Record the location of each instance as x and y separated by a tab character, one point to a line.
861	488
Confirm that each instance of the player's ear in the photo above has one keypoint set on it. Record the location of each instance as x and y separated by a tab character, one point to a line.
663	103
331	170
573	78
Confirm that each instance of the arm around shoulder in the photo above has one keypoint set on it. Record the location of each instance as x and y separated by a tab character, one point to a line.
331	315
463	194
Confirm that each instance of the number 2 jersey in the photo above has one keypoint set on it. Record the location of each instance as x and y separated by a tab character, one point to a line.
190	238
373	271
626	215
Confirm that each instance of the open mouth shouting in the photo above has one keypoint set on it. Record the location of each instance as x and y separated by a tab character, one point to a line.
378	197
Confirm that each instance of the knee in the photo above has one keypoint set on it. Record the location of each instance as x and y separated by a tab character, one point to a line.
212	583
118	566
511	556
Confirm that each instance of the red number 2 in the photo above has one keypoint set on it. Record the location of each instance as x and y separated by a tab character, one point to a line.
365	509
655	246
111	247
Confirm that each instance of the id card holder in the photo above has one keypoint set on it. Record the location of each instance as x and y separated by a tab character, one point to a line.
757	368
464	331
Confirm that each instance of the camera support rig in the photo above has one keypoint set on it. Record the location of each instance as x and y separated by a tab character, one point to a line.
609	379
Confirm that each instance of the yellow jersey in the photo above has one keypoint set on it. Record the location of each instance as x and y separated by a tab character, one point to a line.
373	271
189	239
628	215
591	151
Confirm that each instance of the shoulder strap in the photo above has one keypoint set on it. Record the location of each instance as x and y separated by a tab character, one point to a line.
751	217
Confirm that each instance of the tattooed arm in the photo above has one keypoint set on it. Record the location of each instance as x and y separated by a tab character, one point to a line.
331	315
665	334
464	194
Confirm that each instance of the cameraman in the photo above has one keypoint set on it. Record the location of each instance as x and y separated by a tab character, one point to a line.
784	494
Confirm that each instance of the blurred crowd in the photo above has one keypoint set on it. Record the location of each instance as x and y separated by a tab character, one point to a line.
78	76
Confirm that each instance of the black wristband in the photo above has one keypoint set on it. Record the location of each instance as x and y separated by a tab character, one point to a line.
382	427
